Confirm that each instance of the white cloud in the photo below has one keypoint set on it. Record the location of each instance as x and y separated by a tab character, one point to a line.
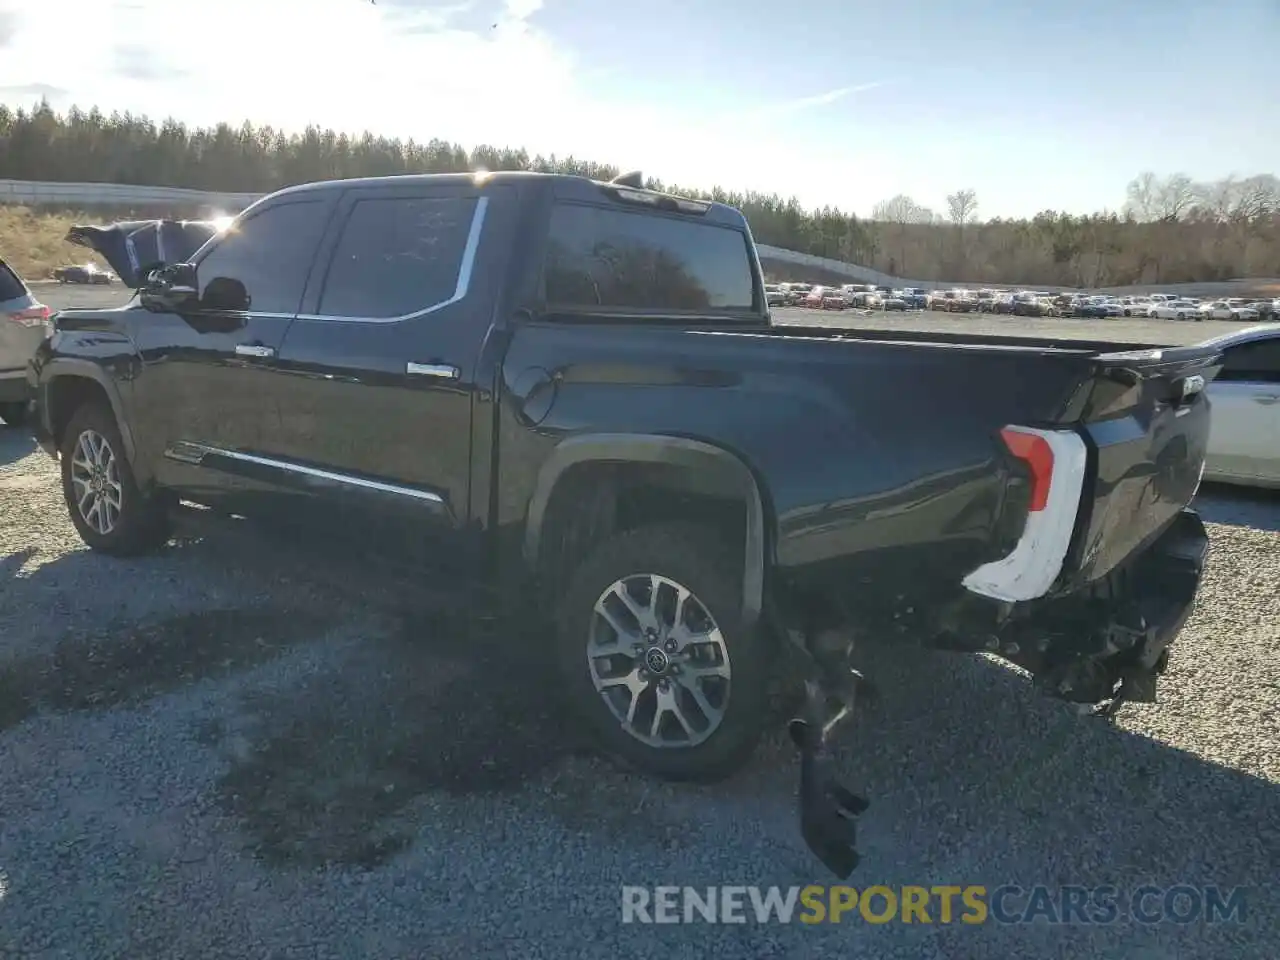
402	68
773	110
467	71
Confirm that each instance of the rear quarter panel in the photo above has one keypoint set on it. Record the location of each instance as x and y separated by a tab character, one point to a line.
872	459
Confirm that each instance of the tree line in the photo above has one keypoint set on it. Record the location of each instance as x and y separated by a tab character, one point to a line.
1171	229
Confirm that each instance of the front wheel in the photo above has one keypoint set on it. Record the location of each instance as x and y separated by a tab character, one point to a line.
654	655
110	512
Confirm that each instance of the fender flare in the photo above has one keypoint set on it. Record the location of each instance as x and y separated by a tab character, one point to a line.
68	367
660	449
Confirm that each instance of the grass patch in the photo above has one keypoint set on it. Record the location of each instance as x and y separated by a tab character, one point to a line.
32	239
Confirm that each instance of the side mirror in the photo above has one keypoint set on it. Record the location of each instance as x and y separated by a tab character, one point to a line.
170	288
225	293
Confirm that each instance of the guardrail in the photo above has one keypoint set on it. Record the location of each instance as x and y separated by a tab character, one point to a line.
35	192
851	270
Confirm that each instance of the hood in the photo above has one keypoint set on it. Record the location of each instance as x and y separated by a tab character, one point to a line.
131	245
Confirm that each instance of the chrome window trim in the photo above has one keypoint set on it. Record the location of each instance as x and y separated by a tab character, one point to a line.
199	451
214	243
460	290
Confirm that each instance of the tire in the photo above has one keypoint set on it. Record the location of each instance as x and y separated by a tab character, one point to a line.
692	558
140	523
14	413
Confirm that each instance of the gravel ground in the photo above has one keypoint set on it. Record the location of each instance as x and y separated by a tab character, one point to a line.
241	748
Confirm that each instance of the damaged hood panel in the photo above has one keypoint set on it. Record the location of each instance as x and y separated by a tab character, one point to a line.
133	245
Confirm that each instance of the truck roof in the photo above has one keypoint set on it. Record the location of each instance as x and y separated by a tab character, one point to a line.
565	187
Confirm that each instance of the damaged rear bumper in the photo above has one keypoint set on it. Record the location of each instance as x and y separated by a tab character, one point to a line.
1106	643
828	809
1100	646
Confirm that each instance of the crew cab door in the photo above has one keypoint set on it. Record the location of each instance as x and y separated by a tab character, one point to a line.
1244	435
205	397
380	367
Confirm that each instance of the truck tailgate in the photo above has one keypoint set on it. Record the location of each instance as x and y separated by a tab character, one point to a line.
1146	423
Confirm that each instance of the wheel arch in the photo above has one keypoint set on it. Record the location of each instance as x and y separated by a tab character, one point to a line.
679	464
67	383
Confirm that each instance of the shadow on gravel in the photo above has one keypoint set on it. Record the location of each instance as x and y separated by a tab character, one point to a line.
1240	506
971	773
997	782
430	707
991	779
15	443
129	663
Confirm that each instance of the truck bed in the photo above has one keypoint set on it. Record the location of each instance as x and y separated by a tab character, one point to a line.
1076	345
1124	329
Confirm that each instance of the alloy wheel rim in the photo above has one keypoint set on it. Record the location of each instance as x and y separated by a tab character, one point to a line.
95	482
659	661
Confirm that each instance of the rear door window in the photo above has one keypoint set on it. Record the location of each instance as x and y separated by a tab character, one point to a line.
607	259
399	256
11	285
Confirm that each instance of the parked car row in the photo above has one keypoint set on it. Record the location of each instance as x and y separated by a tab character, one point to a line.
847	296
1021	303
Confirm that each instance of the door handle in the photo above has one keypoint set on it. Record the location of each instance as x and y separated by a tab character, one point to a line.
1267	399
441	371
254	350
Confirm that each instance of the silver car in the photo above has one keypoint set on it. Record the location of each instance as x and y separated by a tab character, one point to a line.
22	327
1244	431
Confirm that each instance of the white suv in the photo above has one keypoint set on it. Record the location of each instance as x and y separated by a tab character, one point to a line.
22	327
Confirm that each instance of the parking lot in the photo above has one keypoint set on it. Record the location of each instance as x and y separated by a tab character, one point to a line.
243	748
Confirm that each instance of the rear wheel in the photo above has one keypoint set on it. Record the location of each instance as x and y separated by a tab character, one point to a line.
655	658
110	512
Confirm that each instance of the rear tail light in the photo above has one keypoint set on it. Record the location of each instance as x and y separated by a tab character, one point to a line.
35	316
1035	451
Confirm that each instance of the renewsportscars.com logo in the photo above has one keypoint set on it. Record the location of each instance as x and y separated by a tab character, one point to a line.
968	904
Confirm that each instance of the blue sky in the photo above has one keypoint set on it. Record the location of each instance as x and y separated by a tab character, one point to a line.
1038	104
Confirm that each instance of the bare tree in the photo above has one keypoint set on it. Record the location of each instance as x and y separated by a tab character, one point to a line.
1174	197
1140	196
900	213
1216	200
962	206
1256	197
901	209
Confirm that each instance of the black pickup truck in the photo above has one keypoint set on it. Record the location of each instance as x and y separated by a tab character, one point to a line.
573	391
